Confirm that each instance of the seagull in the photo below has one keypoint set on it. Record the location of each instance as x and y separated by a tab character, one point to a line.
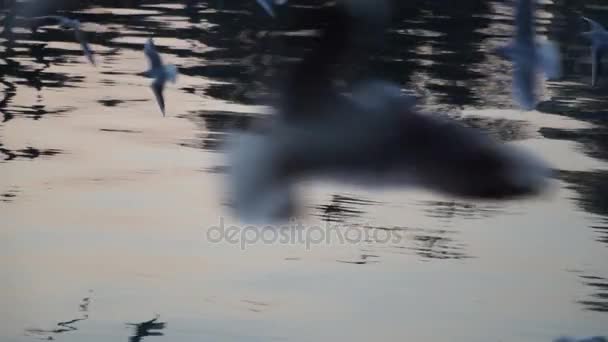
371	135
73	24
529	56
268	5
159	72
599	43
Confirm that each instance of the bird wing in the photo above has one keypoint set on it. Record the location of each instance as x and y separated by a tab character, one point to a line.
596	64
549	59
524	21
267	6
524	86
85	45
59	19
49	20
595	26
154	59
157	87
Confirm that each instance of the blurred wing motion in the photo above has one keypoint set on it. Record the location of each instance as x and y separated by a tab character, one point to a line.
267	5
48	20
596	64
529	57
158	86
84	45
595	26
171	72
549	59
599	43
524	22
154	60
372	135
378	146
159	72
70	24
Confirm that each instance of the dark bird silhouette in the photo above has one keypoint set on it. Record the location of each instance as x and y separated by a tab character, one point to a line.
145	329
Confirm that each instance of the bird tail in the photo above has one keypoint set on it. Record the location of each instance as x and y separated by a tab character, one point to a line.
171	72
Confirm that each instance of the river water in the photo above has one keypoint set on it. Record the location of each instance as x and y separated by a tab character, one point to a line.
110	213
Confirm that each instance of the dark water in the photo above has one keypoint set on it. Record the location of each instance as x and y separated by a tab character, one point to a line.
99	192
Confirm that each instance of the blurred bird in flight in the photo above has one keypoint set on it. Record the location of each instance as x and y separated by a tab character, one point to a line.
370	135
599	43
158	71
529	56
70	24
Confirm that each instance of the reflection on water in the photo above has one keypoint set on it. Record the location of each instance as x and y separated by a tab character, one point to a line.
598	301
503	129
363	260
65	326
9	195
427	244
148	328
113	187
591	189
448	210
342	207
215	127
27	153
593	140
255	306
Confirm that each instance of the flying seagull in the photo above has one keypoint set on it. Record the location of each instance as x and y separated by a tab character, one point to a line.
529	56
372	135
73	24
599	43
160	72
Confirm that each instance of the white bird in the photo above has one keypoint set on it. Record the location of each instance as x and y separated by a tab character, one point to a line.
268	5
599	43
73	24
372	136
529	56
160	72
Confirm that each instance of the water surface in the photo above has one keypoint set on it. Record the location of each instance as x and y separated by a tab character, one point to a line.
106	206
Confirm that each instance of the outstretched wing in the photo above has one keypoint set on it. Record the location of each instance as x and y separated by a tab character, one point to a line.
86	49
595	26
524	21
267	6
153	57
157	87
